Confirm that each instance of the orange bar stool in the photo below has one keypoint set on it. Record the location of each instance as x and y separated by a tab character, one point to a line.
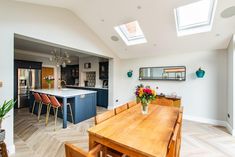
45	101
56	105
38	100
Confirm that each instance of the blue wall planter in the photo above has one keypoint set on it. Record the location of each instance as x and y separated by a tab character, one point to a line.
130	73
200	73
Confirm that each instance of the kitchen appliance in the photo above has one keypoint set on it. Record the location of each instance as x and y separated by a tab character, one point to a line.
28	79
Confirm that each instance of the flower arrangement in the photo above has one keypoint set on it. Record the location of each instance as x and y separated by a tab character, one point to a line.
49	79
145	95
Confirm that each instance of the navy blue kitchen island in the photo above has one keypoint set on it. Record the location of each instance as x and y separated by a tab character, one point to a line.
83	103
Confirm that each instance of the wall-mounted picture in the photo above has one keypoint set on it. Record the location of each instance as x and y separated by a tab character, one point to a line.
87	65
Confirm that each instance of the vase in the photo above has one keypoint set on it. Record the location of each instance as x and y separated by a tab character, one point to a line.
200	73
49	86
144	108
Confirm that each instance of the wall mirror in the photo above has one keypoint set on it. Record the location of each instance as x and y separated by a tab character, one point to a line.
173	73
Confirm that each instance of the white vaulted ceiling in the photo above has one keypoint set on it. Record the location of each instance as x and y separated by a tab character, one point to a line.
156	18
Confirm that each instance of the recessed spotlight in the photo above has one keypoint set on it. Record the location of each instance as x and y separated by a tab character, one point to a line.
229	12
217	35
102	20
139	7
114	38
154	45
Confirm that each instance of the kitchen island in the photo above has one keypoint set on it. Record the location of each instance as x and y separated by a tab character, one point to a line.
83	102
102	94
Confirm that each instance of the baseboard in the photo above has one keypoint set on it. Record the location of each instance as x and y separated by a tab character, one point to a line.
230	129
205	120
11	149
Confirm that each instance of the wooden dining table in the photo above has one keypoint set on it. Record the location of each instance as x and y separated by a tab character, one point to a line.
136	134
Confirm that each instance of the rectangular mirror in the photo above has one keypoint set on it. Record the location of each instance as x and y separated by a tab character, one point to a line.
174	73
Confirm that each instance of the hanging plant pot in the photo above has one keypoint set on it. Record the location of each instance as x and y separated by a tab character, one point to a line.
200	73
129	73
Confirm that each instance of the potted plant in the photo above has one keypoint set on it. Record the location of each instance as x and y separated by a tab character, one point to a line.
4	109
145	95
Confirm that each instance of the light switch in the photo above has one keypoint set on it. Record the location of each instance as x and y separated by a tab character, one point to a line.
1	84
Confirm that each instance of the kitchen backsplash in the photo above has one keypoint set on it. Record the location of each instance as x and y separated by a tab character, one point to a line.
90	77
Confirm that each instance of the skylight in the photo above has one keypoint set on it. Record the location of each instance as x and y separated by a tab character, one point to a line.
131	33
195	18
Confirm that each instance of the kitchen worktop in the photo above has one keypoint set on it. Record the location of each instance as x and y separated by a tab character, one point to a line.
76	86
64	92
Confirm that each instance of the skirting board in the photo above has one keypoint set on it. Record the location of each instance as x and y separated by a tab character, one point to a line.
11	149
210	121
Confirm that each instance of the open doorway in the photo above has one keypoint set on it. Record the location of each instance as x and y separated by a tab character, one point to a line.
69	70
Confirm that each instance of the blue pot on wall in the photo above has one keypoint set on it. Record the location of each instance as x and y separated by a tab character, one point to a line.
200	73
129	73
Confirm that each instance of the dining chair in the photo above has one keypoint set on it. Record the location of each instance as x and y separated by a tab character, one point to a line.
73	151
179	121
45	101
99	119
55	104
164	102
131	104
173	147
38	100
120	109
104	116
3	149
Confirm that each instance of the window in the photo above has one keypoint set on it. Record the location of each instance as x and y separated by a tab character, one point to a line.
195	17
131	33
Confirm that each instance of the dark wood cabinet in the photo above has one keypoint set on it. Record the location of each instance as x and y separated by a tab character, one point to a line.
70	73
103	70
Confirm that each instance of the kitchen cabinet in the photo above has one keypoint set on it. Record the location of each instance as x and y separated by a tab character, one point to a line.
103	70
70	73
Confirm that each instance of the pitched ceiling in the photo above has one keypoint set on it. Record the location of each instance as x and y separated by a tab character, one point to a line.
156	19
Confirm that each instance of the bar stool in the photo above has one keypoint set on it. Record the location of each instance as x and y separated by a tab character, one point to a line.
38	100
56	105
45	101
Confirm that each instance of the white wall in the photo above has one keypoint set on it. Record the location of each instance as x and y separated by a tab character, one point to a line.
231	84
204	98
49	24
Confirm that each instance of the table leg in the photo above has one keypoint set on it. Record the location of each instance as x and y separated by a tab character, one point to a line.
64	112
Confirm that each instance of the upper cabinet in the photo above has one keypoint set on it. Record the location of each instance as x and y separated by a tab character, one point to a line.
103	70
70	73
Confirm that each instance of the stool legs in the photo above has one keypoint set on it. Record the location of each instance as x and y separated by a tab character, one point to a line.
33	106
56	112
48	113
39	110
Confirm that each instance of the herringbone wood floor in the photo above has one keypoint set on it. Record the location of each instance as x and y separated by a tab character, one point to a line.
33	139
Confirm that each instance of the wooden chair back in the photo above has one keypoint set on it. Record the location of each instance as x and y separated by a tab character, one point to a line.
164	102
104	116
131	104
121	109
173	147
73	151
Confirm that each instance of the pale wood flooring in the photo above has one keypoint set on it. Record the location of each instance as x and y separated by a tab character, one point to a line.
33	139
